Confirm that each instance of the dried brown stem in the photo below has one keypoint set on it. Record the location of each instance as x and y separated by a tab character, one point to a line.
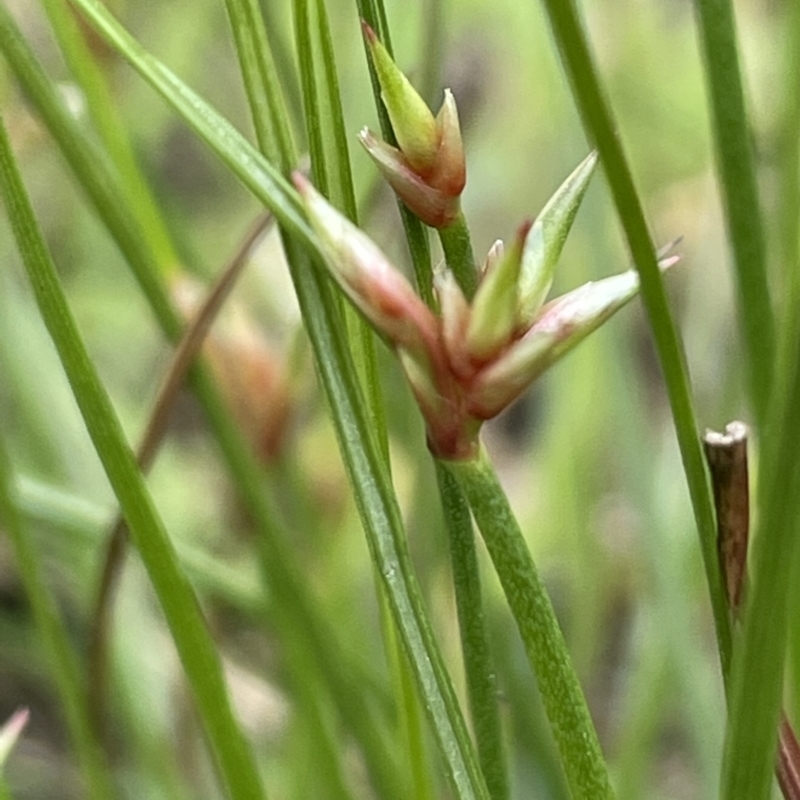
726	454
788	767
184	356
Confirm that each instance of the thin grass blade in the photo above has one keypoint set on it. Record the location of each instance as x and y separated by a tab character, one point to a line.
237	767
743	217
332	175
295	610
601	127
111	129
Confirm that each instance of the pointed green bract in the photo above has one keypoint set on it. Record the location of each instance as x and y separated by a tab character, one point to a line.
547	236
413	122
559	327
494	307
433	206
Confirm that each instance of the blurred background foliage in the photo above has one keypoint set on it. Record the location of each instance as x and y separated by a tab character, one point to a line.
588	456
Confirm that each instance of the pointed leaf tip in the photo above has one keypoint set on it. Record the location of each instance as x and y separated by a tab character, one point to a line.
412	121
547	236
368	32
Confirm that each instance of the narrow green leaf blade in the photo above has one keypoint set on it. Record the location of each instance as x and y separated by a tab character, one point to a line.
743	217
192	639
295	609
111	129
267	106
244	160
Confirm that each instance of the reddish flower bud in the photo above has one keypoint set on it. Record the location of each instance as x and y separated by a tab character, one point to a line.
412	121
250	374
428	171
433	206
470	363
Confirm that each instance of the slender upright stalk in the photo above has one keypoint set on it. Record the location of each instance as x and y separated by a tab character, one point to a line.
458	254
743	216
544	643
478	666
601	126
296	612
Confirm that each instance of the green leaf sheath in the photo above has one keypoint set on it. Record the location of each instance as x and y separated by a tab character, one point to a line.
195	647
478	666
601	127
743	217
544	643
62	660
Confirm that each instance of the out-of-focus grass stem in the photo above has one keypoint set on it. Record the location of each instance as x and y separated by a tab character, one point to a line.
601	127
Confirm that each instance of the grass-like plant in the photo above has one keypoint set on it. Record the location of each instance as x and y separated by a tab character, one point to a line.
378	695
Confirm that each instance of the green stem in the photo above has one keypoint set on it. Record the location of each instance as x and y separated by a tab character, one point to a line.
544	643
62	659
376	501
410	723
600	124
478	666
740	196
304	685
458	254
331	173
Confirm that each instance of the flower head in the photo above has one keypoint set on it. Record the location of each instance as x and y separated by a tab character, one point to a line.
427	169
468	364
